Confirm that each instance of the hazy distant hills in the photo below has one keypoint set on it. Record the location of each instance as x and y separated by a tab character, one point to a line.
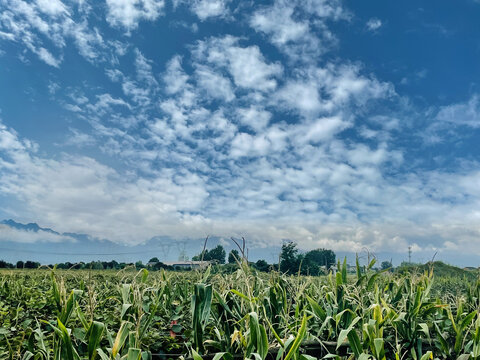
28	227
32	242
36	228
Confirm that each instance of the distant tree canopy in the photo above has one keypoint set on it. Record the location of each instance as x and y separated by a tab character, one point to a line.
31	265
5	265
262	265
386	265
311	262
153	260
233	256
321	257
217	254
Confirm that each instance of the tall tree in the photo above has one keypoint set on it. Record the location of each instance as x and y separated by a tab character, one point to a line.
233	256
320	257
289	260
217	255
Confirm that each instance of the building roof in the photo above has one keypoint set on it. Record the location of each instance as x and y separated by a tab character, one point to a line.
185	263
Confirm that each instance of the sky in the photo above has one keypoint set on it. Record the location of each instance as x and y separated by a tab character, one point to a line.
346	125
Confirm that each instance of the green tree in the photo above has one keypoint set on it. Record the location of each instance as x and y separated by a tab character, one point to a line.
262	265
154	260
386	265
320	257
31	264
217	255
289	259
4	264
20	264
233	256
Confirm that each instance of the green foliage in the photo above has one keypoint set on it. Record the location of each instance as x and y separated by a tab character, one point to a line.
215	255
262	265
320	257
386	265
233	256
289	259
123	315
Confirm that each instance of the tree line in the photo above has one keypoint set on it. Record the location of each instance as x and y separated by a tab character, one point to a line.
291	261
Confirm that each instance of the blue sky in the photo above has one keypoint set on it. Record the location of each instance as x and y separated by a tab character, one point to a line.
340	124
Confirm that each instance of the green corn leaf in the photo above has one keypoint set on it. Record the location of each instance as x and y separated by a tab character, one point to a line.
344	333
223	355
95	333
125	291
102	355
427	355
196	356
144	275
133	354
299	338
378	344
82	318
120	338
344	270
125	308
355	343
317	309
364	357
67	342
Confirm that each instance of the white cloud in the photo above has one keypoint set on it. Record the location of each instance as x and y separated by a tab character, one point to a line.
461	114
52	7
87	41
8	233
144	69
299	28
247	65
46	56
215	85
175	77
128	13
277	22
249	69
254	117
341	85
244	144
205	9
45	25
374	24
80	139
324	129
58	189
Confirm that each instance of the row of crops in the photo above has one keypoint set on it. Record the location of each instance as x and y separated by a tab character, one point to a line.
104	315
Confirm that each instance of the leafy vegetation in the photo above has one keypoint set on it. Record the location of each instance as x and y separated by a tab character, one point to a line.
59	314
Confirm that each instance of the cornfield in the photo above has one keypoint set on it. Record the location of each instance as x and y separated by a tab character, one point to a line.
58	315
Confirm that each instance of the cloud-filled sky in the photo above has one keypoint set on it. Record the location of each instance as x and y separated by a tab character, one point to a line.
339	124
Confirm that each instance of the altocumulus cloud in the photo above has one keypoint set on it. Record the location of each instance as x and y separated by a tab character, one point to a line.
254	132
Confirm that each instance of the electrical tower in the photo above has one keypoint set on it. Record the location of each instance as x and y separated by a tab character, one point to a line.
409	254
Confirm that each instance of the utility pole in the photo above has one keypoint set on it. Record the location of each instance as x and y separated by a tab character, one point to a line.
409	254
